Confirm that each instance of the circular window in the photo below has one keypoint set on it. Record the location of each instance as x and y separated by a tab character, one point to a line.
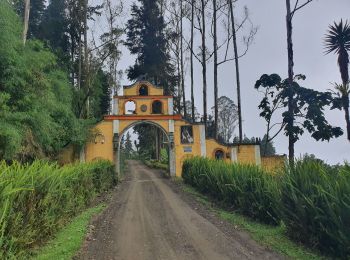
144	108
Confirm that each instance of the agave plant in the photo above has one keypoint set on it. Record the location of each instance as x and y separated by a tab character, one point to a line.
338	41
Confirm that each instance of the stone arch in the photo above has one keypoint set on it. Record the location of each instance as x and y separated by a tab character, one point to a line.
169	137
157	107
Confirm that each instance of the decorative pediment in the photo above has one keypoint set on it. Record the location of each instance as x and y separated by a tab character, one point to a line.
143	88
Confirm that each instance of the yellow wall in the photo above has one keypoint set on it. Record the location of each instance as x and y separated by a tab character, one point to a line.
147	100
67	156
273	163
181	155
213	146
134	90
100	150
246	154
124	124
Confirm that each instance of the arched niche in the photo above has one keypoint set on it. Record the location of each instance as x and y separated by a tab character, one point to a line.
157	107
143	90
130	107
219	154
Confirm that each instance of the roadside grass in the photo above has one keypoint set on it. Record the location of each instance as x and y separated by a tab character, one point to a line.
70	239
273	237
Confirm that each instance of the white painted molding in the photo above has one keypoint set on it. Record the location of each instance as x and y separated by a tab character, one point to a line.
171	126
115	126
171	106
202	141
234	155
257	155
115	106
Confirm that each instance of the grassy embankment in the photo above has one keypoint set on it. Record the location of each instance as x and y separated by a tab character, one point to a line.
309	204
37	200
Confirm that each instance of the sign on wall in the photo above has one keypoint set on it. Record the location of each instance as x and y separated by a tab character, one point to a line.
188	149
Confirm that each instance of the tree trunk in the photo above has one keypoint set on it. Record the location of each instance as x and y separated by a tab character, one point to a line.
182	60
192	68
291	140
26	20
216	112
86	58
204	65
235	47
345	101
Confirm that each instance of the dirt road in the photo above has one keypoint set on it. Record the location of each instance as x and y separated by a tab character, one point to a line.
148	220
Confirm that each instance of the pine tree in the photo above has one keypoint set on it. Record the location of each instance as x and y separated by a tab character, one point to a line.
54	27
37	8
146	39
128	145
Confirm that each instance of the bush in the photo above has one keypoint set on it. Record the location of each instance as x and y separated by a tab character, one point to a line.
37	199
312	199
248	188
316	206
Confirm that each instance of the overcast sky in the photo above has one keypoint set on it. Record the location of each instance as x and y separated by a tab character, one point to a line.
268	54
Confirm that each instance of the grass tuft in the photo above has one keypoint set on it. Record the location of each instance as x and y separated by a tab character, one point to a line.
70	239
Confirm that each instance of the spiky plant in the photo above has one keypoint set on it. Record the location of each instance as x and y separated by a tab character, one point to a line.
337	41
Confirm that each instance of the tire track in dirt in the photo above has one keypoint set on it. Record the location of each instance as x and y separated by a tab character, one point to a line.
147	220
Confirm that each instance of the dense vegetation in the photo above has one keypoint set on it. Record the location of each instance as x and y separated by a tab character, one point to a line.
38	199
37	114
312	199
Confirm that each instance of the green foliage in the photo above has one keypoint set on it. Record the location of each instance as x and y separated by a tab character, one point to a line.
312	198
146	39
36	116
266	147
38	199
307	106
70	238
247	188
316	206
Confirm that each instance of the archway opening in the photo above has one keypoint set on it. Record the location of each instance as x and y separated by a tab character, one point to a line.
143	90
130	108
144	142
157	107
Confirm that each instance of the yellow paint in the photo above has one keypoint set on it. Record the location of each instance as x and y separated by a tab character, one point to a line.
181	155
212	146
139	102
102	147
246	154
134	89
98	150
67	155
273	163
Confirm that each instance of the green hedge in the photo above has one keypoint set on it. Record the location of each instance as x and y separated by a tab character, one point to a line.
37	199
316	206
246	187
312	199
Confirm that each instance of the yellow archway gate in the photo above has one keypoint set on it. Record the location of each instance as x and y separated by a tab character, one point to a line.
150	105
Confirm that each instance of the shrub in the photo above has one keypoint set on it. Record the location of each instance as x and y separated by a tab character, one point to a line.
316	206
248	188
37	199
312	198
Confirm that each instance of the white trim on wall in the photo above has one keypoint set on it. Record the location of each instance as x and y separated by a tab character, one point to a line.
234	154
202	141
171	126
115	107
257	155
115	126
171	106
